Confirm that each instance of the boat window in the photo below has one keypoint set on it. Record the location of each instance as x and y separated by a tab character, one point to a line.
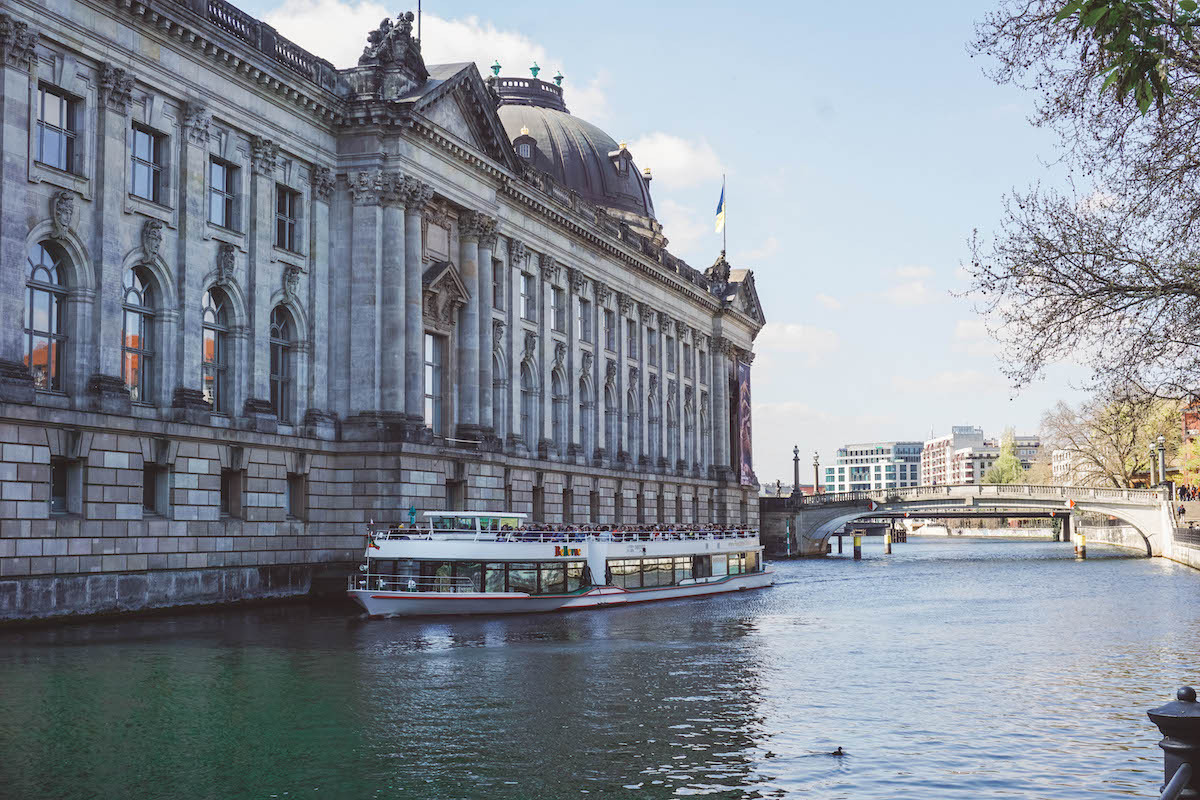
522	577
737	563
752	561
495	577
575	575
701	567
683	568
626	572
553	578
468	569
720	565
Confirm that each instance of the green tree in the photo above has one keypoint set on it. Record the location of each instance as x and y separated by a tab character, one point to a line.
1007	467
1103	273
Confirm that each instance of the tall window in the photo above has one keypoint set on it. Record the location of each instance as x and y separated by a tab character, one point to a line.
687	361
221	183
559	420
587	419
631	337
529	407
670	353
498	285
137	337
214	369
672	435
634	422
283	336
585	320
611	419
56	129
147	164
558	300
610	330
287	208
652	347
44	337
528	296
435	370
703	367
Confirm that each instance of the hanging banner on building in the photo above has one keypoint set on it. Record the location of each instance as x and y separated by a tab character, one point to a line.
745	461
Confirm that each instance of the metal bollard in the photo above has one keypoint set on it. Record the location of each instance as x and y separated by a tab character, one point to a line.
1179	723
857	547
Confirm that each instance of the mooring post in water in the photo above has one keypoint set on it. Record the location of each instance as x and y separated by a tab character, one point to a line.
887	542
839	544
1081	547
1179	723
857	546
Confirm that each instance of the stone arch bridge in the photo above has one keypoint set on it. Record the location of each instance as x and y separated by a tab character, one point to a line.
801	525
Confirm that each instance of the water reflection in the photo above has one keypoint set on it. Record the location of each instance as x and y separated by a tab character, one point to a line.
954	669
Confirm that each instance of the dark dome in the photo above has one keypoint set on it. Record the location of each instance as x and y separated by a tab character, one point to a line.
577	153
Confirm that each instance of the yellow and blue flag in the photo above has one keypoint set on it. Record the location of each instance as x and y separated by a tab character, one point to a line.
721	209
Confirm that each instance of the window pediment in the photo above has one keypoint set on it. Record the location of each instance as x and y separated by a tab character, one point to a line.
445	292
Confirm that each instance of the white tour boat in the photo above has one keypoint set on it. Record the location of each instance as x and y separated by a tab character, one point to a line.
461	562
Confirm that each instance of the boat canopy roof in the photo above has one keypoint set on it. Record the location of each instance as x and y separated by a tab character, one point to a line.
488	514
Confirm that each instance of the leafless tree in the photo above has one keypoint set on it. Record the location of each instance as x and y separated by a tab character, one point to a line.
1105	273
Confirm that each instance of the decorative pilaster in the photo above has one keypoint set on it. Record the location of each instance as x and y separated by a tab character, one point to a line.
415	196
319	420
193	263
392	304
471	226
487	245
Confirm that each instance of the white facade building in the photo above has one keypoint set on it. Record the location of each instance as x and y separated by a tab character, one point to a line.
964	455
874	465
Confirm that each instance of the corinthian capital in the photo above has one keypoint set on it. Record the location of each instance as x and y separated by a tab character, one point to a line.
321	179
487	236
116	88
196	122
263	155
415	193
366	188
470	225
17	41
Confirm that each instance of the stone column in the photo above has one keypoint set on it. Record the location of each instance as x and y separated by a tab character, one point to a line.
392	302
366	190
512	340
549	271
624	306
415	195
17	42
487	244
644	332
720	418
106	389
697	445
193	261
664	328
470	226
318	419
576	282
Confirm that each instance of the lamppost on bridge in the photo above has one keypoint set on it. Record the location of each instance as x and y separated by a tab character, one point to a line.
1152	481
1162	461
816	472
796	469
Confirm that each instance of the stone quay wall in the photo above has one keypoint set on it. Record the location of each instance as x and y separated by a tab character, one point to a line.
251	540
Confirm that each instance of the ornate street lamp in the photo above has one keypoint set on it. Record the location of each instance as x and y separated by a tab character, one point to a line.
796	469
816	472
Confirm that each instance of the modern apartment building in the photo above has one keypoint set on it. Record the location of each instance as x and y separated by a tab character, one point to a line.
874	465
964	455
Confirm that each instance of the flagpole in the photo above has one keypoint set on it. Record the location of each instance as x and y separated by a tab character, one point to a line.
725	208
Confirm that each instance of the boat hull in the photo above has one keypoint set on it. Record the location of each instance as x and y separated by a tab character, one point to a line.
408	604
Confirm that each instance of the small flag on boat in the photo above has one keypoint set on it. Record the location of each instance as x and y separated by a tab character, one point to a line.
371	541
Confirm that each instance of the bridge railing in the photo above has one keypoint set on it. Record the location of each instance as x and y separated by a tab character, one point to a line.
909	493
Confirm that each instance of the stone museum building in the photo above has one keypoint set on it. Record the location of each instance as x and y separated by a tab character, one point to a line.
250	302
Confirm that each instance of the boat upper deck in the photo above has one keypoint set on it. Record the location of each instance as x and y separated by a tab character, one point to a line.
549	534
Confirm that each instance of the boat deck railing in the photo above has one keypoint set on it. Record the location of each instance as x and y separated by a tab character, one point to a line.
393	583
560	536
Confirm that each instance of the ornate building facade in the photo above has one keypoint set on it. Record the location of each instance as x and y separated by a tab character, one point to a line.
250	302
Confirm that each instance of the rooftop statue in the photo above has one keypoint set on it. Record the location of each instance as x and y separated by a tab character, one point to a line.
393	45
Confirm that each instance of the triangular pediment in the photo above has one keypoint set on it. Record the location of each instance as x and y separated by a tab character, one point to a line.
445	293
456	101
746	299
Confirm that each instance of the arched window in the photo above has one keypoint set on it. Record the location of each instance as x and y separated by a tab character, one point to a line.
214	371
137	336
635	426
499	398
654	420
611	420
529	404
672	434
689	433
705	437
283	335
558	422
45	338
587	420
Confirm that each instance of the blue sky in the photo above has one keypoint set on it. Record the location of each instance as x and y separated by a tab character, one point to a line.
862	144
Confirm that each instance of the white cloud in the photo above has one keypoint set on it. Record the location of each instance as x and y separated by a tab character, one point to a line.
971	337
831	303
337	30
684	227
949	382
769	248
1096	202
914	271
677	162
909	293
812	345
